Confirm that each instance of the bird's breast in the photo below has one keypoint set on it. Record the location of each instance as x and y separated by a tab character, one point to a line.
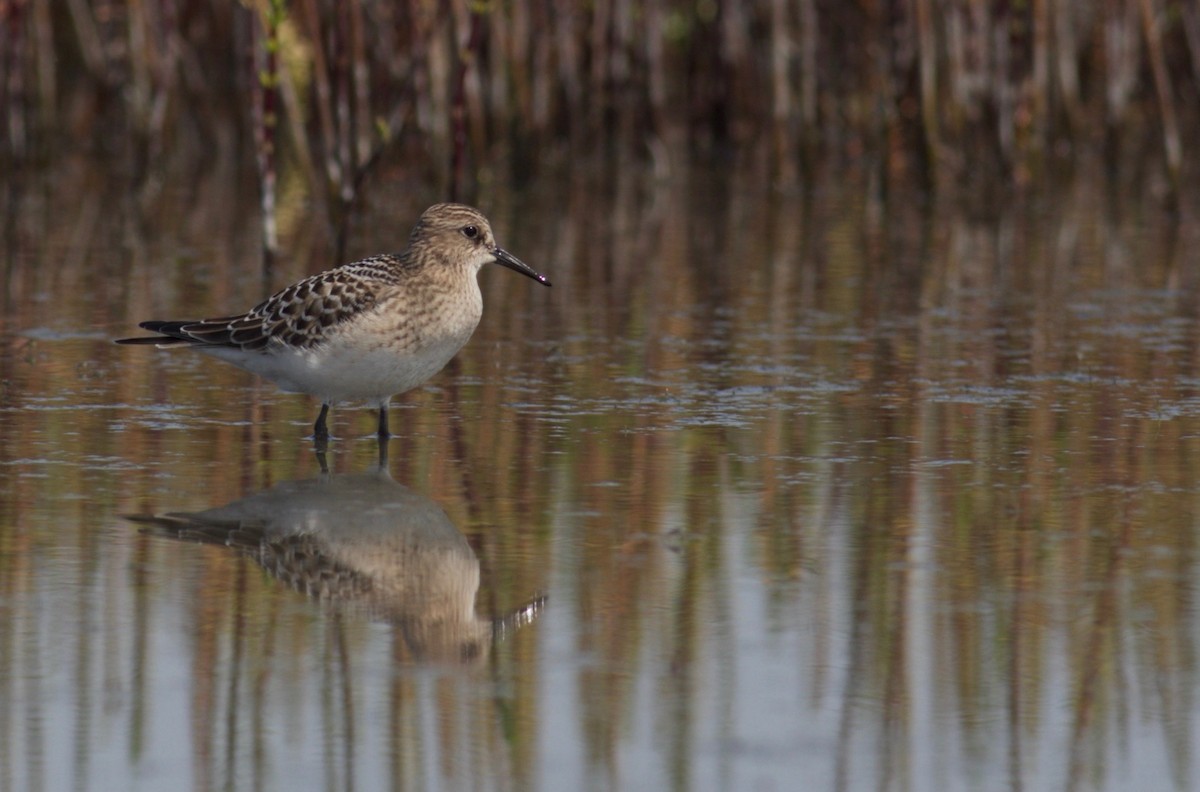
435	320
398	348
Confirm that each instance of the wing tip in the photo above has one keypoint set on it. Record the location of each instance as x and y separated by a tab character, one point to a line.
172	333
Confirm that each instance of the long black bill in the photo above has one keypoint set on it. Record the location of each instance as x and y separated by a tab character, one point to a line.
506	259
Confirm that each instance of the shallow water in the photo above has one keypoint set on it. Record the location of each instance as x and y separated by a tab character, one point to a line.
853	493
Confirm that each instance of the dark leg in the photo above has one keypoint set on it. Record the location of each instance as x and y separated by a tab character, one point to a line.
320	430
383	423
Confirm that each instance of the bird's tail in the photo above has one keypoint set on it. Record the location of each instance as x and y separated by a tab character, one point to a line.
170	333
156	340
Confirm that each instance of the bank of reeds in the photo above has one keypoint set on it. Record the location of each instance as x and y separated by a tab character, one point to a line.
929	87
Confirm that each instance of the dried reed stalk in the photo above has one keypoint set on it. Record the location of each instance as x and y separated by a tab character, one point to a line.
468	56
266	122
942	83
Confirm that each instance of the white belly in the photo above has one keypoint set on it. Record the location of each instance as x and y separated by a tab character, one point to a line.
370	364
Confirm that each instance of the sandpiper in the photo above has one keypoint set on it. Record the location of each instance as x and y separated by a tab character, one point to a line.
367	547
365	331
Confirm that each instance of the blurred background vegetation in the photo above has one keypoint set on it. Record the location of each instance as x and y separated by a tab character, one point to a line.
808	386
928	90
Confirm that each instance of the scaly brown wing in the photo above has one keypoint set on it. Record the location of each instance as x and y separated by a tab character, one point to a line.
299	316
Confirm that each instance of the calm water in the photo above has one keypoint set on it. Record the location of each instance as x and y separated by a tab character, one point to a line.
768	490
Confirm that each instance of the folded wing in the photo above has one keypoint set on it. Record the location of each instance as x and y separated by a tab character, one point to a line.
300	316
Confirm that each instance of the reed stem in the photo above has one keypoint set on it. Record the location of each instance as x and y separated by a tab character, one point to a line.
266	122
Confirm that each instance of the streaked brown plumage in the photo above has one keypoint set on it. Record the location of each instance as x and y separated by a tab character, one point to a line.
364	331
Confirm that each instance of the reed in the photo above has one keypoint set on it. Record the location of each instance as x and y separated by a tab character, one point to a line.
13	71
458	106
266	121
933	90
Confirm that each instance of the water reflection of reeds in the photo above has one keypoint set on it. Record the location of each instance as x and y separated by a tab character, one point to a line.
944	456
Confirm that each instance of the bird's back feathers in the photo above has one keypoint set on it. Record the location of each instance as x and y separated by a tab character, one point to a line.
299	316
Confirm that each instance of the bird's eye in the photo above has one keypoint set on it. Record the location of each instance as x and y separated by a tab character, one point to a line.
470	232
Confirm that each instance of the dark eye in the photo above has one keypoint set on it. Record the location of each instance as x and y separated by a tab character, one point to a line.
470	232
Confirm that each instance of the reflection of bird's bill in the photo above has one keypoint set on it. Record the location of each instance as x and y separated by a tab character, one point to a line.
518	618
367	546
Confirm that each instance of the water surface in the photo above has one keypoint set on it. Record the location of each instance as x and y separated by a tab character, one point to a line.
818	489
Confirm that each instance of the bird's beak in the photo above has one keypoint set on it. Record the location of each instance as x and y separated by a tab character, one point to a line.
506	259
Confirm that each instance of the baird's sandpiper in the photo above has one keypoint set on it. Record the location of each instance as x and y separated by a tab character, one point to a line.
365	331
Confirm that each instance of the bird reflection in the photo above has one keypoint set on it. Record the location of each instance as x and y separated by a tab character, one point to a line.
366	545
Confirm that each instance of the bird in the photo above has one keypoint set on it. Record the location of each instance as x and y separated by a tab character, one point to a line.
364	546
365	331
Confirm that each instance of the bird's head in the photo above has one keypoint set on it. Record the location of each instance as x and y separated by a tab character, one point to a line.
462	235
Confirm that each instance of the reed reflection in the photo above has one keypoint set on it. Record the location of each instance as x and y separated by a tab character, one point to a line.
365	546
